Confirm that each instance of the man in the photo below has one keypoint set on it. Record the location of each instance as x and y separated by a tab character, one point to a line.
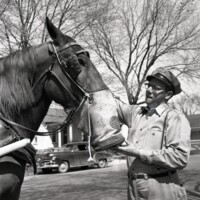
158	142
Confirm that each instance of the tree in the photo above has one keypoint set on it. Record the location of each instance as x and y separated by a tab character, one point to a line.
23	22
134	37
130	37
188	104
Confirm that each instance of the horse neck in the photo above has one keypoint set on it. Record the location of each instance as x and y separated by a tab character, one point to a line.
42	54
33	116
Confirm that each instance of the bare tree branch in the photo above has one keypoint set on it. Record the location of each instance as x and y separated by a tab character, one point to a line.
132	37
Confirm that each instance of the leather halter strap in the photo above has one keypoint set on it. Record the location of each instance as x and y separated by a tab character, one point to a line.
71	44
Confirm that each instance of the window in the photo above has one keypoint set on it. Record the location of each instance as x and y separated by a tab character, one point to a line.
82	147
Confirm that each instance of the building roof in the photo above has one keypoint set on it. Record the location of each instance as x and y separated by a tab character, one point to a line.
55	115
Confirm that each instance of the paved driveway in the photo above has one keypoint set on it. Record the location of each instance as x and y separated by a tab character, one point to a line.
100	184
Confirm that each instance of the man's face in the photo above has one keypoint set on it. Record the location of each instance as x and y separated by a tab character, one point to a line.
156	93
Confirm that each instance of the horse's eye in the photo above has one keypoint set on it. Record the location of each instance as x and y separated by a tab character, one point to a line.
81	61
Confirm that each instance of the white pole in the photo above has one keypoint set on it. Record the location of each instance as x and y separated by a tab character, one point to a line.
59	139
14	146
70	134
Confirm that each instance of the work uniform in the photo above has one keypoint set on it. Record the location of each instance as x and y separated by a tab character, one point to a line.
153	176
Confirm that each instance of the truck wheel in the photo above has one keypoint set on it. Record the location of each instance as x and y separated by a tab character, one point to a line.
102	163
63	167
46	171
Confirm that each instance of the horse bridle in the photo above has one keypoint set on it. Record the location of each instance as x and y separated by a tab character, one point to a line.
86	95
50	72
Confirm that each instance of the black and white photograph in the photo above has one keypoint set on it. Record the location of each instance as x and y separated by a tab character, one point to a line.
100	100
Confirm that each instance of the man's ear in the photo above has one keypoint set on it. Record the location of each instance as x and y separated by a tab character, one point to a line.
169	95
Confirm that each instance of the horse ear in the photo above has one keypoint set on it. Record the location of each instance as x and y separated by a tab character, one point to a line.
54	32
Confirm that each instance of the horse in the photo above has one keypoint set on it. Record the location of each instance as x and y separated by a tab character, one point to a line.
30	79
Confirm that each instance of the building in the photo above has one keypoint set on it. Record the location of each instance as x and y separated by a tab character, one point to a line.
53	121
195	126
42	142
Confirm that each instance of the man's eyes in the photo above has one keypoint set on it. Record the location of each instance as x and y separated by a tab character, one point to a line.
154	87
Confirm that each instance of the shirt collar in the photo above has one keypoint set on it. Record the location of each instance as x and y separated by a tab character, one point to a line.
161	108
158	110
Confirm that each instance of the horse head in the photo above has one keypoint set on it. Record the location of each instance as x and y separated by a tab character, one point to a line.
75	83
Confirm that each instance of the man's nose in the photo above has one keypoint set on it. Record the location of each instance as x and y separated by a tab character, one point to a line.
149	89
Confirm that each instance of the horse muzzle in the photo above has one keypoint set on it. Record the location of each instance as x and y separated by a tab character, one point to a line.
100	120
115	139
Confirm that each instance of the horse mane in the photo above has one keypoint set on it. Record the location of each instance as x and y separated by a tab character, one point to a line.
16	74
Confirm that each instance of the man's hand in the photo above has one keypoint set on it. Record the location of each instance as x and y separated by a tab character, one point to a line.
128	150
